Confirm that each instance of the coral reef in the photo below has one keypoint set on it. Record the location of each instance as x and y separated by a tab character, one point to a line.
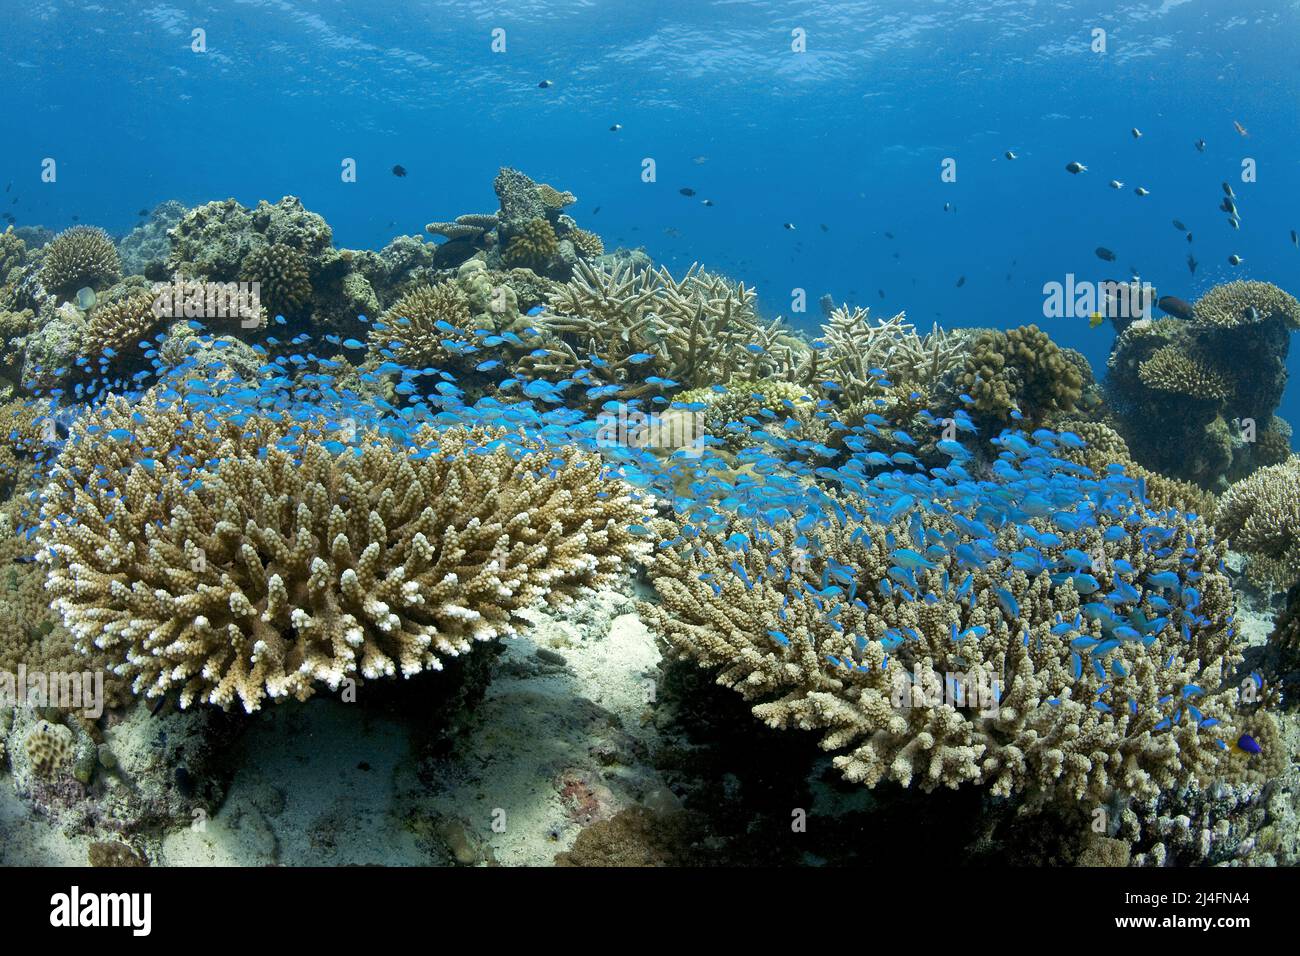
1196	399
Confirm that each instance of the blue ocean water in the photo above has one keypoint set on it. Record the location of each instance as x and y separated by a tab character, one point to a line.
836	118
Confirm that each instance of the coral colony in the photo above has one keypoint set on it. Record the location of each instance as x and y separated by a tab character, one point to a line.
952	555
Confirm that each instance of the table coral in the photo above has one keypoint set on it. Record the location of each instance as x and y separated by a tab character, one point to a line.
265	572
852	628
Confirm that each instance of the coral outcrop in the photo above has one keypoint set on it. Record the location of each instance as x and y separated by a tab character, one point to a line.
80	256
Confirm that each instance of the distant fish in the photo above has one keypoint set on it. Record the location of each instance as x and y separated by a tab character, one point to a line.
1179	226
1228	206
825	228
1075	168
1116	184
706	202
700	160
1191	263
142	213
788	225
1239	128
399	171
1137	133
1235	260
1189	237
1295	240
1227	191
1142	192
544	84
596	210
1200	145
616	127
889	235
880	292
1172	305
949	207
1105	254
687	191
961	282
1010	155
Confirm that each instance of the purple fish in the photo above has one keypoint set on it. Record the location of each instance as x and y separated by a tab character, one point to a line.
1249	744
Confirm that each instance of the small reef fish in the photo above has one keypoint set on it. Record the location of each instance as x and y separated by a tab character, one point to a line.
1075	168
1010	155
1105	254
1200	145
544	84
1116	184
1172	305
399	171
1241	130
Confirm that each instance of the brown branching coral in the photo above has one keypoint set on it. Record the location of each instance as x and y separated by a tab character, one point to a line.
1171	369
534	247
271	574
879	678
1020	369
1260	516
410	326
80	256
283	275
119	325
587	244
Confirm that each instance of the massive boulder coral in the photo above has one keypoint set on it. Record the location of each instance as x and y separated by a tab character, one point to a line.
1196	399
1260	517
80	256
261	570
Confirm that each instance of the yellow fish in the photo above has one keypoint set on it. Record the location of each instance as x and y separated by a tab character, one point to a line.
1095	320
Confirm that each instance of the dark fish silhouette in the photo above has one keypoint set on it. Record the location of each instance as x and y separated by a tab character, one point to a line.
1172	305
596	210
1295	240
544	84
825	228
1200	145
1105	254
1179	226
142	213
961	282
399	171
889	235
1191	263
687	191
1075	168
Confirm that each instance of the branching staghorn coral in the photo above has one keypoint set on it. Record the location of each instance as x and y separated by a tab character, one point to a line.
624	326
80	256
1260	517
856	346
261	572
